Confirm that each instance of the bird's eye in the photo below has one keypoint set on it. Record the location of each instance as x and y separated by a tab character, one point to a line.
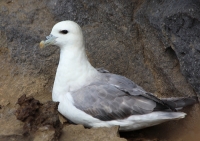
64	31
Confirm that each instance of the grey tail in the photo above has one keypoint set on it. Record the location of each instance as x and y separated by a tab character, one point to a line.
180	102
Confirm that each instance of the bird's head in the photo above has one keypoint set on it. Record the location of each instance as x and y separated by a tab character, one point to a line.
64	34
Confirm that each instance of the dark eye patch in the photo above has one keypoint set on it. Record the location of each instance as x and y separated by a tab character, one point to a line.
64	31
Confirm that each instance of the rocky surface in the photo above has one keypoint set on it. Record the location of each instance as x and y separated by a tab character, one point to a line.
176	25
155	43
41	121
79	133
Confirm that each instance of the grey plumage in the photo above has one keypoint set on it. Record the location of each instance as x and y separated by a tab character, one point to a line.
181	101
112	97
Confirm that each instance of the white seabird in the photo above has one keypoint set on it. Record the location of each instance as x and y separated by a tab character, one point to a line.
97	98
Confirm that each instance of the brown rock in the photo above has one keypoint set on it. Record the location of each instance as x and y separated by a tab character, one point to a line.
79	133
40	120
4	102
28	108
62	119
9	126
44	133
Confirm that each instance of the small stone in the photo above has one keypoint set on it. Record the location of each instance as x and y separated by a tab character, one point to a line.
62	119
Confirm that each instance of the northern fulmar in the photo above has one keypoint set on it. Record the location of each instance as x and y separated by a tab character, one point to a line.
96	98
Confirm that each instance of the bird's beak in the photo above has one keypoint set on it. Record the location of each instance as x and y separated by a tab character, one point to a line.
50	40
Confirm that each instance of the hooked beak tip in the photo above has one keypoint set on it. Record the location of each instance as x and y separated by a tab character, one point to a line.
49	41
42	44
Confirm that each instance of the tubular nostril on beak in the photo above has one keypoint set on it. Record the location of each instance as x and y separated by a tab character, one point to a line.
48	37
50	40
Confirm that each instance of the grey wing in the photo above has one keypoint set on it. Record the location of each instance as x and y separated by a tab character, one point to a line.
128	86
107	102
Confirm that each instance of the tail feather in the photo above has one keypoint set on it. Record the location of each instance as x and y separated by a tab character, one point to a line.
180	102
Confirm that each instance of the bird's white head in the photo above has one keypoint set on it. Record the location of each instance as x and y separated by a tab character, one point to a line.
64	34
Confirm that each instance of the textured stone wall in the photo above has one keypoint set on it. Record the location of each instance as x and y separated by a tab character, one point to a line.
153	42
176	24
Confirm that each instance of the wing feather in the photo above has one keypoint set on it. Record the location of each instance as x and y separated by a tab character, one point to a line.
107	102
128	86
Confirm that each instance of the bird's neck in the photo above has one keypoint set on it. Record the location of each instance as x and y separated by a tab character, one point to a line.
73	72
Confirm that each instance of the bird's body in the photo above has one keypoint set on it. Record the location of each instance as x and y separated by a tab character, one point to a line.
97	98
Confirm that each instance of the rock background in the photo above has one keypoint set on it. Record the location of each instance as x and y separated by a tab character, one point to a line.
155	43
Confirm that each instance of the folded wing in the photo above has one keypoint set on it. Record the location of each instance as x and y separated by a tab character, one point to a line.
106	102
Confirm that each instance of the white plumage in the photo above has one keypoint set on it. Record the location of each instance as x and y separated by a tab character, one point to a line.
97	98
